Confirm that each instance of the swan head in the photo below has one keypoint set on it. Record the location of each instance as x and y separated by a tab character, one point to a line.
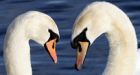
45	32
50	45
48	39
86	30
81	43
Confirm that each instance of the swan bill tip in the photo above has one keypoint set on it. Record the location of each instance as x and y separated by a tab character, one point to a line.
55	61
78	67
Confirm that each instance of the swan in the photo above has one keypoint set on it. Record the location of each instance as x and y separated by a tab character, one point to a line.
103	17
32	25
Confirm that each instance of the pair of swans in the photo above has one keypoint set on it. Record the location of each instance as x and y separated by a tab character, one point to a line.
96	19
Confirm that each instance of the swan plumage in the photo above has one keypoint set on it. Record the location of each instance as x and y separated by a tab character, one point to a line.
104	17
138	63
32	25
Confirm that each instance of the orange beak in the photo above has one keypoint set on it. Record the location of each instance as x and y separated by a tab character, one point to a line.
81	53
51	45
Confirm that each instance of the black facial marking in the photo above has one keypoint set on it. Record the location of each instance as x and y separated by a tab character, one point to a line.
53	36
80	38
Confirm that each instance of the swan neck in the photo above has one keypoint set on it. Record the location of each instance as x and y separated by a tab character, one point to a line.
17	54
122	54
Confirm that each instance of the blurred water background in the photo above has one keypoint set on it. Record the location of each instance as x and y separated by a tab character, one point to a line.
64	12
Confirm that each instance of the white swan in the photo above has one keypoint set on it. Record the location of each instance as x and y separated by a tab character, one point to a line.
104	17
30	25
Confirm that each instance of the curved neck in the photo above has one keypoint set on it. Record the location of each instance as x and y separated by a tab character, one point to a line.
123	49
17	54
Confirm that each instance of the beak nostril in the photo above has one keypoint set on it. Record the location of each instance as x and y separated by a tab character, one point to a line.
80	49
53	46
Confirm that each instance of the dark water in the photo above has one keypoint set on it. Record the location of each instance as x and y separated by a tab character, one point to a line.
64	13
